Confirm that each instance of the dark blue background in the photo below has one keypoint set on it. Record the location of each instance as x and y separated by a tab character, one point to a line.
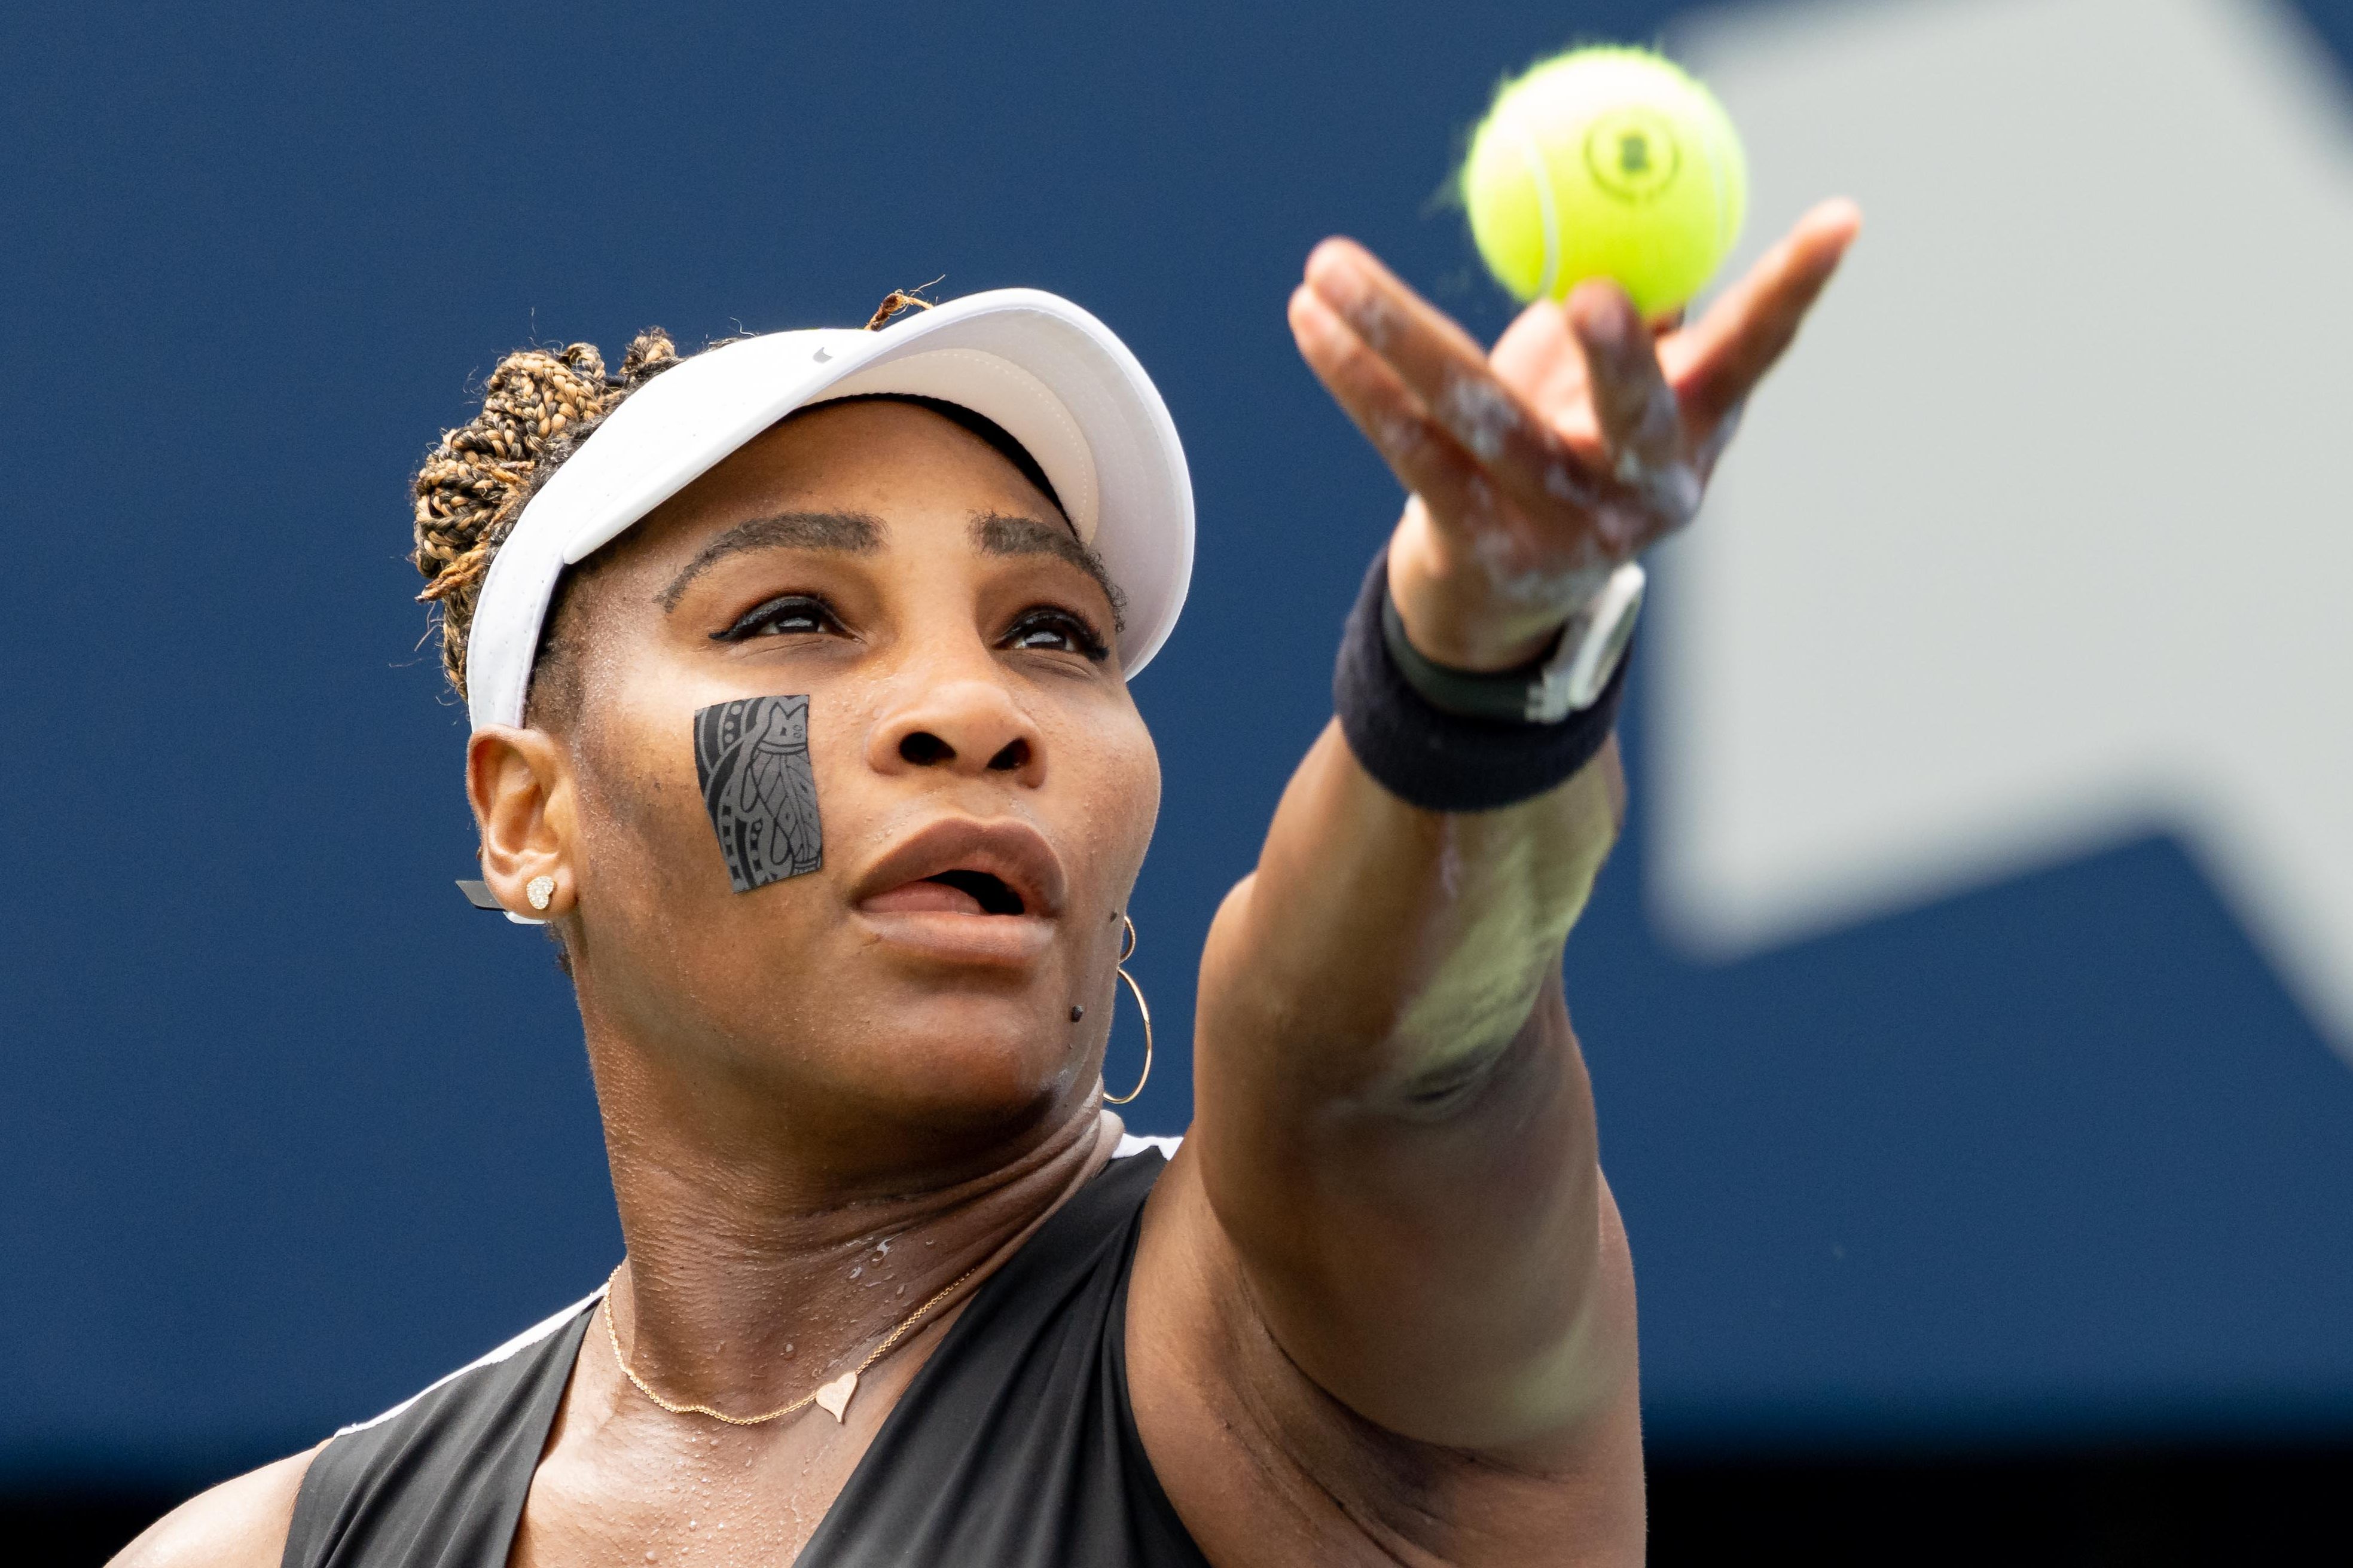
285	1131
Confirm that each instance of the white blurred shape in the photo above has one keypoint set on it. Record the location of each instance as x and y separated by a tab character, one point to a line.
2041	537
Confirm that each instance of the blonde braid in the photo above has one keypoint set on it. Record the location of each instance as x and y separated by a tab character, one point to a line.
536	407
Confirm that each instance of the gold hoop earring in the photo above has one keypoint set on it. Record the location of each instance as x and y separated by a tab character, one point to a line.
1127	951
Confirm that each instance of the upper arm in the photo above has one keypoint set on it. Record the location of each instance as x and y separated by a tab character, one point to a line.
1383	1303
1266	1465
240	1523
1392	1121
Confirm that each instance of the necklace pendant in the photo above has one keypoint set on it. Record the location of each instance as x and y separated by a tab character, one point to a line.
834	1398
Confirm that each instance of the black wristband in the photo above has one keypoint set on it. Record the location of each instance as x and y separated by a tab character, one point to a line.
1441	761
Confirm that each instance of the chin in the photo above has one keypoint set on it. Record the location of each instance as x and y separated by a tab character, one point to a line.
974	1062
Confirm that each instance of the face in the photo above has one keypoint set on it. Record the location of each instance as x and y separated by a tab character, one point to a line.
984	786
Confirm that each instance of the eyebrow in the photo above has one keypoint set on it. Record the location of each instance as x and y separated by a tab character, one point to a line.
842	532
1009	533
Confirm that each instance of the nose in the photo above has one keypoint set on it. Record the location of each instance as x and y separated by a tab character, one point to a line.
967	726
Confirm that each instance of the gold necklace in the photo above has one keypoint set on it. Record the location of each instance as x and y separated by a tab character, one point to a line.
833	1397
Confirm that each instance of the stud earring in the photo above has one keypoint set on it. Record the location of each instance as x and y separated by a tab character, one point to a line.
541	892
1127	951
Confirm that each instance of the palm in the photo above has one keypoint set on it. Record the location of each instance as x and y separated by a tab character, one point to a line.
1579	441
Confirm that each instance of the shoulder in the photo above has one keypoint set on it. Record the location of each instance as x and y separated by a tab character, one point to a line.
240	1523
245	1523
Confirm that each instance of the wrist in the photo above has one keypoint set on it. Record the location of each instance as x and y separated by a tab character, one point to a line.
1494	645
1565	676
1457	613
1503	740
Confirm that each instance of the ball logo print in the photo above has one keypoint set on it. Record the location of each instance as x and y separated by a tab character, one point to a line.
1633	154
1606	163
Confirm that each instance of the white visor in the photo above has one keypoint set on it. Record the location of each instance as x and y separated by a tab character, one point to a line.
1050	374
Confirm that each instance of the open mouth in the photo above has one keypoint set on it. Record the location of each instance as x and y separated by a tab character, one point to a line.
960	866
983	889
960	891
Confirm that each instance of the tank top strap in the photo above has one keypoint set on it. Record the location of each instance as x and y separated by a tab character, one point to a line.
440	1480
1016	1445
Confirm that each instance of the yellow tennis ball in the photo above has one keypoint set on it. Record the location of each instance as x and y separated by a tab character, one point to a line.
1606	163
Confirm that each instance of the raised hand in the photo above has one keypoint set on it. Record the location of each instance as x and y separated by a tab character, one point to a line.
1581	440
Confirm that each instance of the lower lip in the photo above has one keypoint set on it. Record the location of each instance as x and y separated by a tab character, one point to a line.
1003	940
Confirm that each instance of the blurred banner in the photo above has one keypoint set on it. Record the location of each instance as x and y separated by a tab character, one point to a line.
1999	783
2043	540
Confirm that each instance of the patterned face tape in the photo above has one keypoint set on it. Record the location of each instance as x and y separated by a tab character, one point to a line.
751	756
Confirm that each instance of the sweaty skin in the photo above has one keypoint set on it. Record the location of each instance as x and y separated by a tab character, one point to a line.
1382	1308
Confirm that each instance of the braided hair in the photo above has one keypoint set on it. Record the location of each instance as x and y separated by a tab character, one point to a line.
537	408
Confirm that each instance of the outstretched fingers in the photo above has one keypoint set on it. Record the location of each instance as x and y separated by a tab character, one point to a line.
1478	440
1429	461
1449	376
1718	360
1641	426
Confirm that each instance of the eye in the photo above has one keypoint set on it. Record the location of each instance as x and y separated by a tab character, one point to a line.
1054	630
789	615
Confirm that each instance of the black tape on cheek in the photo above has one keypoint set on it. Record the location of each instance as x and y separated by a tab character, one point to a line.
751	756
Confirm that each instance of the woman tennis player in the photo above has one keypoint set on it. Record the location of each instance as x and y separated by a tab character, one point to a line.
798	671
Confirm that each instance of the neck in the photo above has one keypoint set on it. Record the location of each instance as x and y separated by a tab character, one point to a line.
760	1263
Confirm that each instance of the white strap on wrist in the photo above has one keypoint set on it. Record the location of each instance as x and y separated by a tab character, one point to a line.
1591	642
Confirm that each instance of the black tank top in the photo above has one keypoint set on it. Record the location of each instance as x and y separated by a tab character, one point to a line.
1015	1445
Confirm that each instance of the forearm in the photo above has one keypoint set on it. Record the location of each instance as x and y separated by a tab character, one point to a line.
1409	944
1395	1126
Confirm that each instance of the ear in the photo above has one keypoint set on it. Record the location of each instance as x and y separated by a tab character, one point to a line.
520	783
